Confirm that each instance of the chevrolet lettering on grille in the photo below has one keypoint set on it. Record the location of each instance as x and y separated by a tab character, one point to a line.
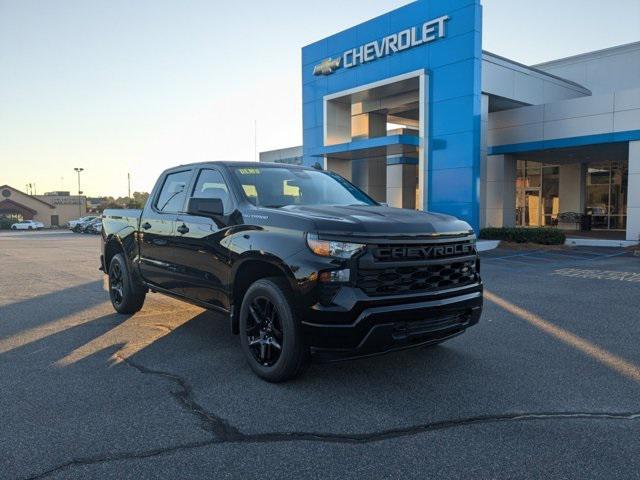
436	251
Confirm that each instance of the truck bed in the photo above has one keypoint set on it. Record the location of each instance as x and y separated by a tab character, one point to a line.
115	220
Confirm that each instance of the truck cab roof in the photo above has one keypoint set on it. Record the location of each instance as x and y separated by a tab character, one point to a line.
232	164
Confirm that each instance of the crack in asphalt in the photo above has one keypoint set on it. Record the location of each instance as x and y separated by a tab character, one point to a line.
225	433
360	439
213	423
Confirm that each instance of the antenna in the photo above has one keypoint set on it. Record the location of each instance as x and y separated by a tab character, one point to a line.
255	140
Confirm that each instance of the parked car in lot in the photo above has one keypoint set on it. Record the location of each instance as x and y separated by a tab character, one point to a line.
304	263
81	226
95	227
73	223
27	225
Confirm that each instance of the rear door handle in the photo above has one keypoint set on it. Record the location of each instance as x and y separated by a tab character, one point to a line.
183	229
146	226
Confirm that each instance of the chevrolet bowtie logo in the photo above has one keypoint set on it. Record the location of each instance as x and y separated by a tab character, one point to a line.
327	67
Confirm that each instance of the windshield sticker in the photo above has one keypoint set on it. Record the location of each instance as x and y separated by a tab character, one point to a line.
249	171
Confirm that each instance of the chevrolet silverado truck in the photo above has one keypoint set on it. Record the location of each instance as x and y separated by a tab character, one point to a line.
303	263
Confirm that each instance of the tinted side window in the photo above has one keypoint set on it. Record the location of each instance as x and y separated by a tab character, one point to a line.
174	192
211	184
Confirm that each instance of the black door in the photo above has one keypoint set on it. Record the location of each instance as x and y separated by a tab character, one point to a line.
203	258
158	229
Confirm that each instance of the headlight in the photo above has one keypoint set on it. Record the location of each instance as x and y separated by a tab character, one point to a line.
329	248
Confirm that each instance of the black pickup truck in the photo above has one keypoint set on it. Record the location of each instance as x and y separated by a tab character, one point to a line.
304	263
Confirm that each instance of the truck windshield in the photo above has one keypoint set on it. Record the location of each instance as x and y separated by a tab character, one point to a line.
278	187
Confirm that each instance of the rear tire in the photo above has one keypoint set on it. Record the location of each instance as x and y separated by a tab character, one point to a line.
127	297
13	228
270	333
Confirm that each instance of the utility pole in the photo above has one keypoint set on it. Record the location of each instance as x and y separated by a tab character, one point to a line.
129	183
79	170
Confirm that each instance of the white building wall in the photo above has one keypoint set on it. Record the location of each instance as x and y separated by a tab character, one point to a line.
484	155
599	114
500	192
511	80
633	199
604	71
275	156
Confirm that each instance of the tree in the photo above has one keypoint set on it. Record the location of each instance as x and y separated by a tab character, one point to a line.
140	197
138	201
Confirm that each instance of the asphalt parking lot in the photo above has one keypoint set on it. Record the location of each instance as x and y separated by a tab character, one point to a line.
547	386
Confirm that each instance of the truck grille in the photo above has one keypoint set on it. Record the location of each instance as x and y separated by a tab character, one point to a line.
426	278
377	276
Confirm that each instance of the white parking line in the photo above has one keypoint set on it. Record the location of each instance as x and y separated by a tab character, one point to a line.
599	274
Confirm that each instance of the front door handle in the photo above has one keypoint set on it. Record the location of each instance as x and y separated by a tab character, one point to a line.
183	229
146	226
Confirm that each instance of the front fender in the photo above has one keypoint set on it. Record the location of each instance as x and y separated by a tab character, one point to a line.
265	257
288	252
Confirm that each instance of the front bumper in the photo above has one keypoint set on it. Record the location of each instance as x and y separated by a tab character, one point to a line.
364	326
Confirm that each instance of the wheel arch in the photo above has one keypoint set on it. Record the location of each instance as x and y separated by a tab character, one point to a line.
126	244
249	270
112	247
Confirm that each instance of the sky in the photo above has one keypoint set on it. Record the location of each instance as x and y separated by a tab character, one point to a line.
137	86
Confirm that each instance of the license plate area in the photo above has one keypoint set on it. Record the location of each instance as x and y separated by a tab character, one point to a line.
408	329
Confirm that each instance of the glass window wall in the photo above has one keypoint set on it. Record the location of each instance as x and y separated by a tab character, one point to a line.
607	195
537	194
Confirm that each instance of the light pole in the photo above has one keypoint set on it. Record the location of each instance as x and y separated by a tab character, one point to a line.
79	170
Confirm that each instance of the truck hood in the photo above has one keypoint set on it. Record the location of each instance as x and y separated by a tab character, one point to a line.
376	220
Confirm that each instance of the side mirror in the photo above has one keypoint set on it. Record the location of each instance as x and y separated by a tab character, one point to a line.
205	207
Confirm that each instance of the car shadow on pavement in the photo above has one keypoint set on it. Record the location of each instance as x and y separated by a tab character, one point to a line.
41	310
48	346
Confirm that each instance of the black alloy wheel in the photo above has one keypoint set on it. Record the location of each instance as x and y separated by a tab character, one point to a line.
116	286
270	331
126	293
264	332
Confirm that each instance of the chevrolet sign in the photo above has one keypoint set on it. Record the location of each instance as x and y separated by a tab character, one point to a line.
398	42
419	252
327	67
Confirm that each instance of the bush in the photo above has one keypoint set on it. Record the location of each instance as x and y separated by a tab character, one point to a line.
544	236
5	223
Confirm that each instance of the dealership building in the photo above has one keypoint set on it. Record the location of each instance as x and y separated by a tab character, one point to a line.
52	209
410	108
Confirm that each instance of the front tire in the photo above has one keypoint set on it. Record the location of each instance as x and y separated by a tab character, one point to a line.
127	297
270	332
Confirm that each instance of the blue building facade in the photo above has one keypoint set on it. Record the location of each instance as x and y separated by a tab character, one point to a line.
408	107
401	91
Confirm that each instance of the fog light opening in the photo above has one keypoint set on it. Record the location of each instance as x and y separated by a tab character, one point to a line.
335	276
